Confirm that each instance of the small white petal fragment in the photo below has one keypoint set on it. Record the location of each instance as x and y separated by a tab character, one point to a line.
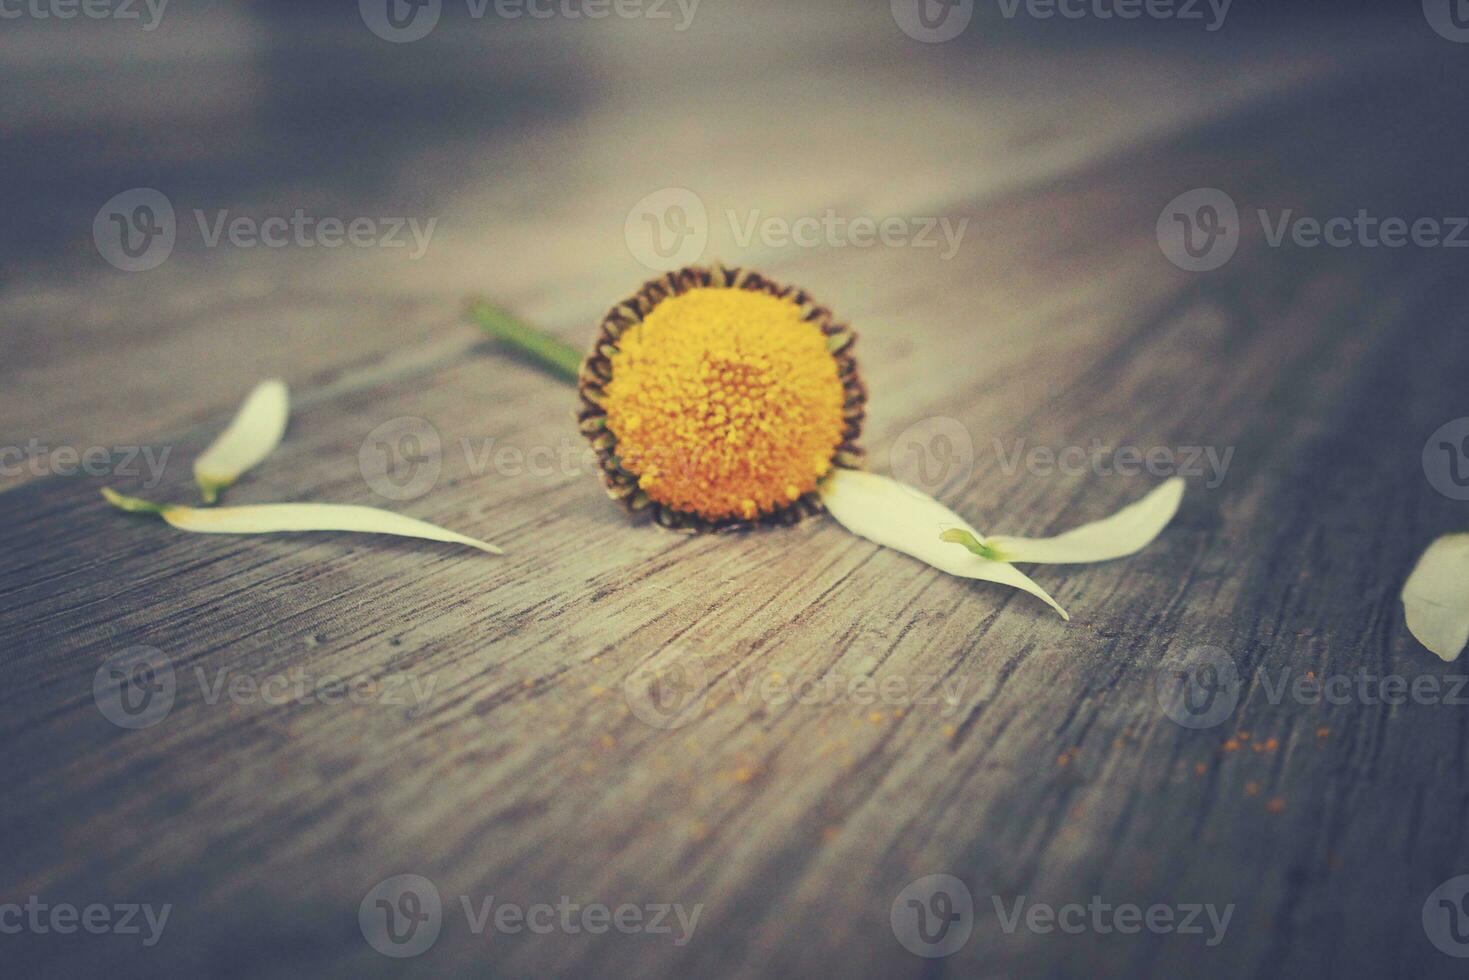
1126	532
1436	597
284	518
897	516
251	436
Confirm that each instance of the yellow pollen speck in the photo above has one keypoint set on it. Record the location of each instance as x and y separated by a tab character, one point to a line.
726	403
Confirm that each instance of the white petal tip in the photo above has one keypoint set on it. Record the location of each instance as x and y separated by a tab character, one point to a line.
896	516
251	436
1436	597
1125	533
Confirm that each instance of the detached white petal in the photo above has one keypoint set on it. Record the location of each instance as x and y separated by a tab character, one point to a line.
251	436
277	518
899	517
1126	532
1436	597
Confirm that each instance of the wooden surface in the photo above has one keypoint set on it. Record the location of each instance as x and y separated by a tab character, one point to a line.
1023	755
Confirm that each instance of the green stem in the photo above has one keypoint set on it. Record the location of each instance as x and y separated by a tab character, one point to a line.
958	536
133	505
555	355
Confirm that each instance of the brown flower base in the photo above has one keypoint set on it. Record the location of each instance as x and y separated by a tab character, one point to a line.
596	371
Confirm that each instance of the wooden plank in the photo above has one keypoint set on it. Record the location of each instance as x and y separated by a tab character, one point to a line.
1026	756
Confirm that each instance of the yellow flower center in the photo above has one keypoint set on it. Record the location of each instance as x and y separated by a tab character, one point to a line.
725	403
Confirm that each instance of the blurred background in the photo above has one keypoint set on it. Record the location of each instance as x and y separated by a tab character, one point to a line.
526	140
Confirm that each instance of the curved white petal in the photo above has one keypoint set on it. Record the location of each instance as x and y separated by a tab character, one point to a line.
277	518
1126	532
897	516
251	436
1436	596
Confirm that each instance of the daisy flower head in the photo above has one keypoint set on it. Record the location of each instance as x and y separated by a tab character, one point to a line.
719	399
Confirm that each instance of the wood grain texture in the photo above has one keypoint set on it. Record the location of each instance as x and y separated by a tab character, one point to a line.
1026	756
